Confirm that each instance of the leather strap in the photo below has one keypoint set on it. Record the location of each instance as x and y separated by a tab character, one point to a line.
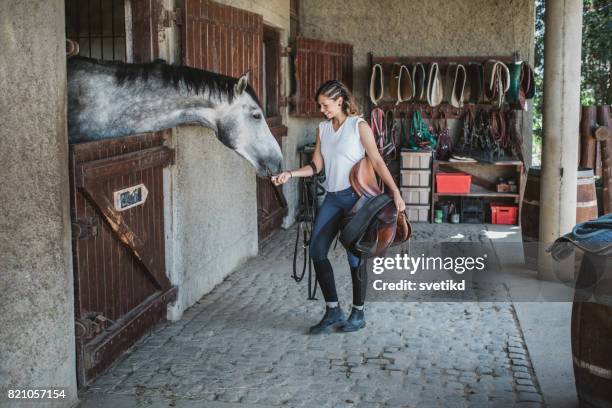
435	92
376	84
278	194
388	147
314	168
377	123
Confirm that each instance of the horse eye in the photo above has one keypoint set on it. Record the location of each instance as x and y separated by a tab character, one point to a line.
257	115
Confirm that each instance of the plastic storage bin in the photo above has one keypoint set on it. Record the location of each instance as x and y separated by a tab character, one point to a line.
504	214
416	160
415	178
453	183
417	213
416	195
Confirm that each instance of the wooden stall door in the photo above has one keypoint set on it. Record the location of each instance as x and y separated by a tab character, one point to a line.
270	212
121	288
315	62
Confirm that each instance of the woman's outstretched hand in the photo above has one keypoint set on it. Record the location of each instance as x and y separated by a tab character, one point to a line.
399	201
281	178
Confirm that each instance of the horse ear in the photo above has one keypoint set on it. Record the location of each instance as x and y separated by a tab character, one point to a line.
242	83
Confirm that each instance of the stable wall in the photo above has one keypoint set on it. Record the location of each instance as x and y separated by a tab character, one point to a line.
211	202
37	347
423	28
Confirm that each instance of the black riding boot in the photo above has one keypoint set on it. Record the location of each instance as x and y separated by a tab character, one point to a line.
355	321
334	317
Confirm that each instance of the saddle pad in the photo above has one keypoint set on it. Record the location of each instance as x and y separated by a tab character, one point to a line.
474	83
405	86
435	92
376	84
454	84
394	82
418	78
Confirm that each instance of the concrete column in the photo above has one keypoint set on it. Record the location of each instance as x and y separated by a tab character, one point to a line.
37	349
562	56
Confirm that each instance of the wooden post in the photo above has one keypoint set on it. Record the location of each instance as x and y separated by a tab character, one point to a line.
588	144
603	118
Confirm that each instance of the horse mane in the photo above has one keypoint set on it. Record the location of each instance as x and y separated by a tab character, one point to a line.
197	80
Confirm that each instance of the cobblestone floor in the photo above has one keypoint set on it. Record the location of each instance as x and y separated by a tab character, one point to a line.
246	343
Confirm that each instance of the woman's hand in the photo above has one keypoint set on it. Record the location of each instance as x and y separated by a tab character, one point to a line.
281	178
399	201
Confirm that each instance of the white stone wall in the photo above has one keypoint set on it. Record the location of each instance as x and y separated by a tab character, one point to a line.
211	203
423	28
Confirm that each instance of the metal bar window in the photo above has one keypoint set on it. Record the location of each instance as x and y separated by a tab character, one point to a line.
99	28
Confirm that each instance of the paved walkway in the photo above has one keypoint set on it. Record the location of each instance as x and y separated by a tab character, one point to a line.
245	344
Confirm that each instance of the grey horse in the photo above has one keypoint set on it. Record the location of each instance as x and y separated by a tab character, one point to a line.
112	99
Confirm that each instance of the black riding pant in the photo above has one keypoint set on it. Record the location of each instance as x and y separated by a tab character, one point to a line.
326	227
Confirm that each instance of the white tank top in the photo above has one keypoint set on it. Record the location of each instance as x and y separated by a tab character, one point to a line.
340	149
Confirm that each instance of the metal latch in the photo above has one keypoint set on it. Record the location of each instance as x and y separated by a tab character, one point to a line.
91	325
85	228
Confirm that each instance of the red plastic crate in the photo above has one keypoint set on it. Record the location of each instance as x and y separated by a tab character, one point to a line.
453	183
504	214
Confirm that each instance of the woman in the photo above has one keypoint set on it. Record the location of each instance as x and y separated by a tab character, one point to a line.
342	140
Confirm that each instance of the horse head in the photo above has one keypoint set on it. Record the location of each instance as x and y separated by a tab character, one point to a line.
109	99
242	126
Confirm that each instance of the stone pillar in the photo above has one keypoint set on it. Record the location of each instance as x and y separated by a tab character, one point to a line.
562	56
37	346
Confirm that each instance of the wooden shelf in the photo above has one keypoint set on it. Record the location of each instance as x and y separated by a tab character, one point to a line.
477	191
487	194
479	187
499	163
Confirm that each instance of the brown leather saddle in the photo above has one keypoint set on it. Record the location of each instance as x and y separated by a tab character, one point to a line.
373	224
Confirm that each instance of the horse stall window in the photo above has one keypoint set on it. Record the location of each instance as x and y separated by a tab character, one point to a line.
99	27
271	71
316	61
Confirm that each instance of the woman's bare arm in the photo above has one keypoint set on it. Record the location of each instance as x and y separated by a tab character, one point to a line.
317	160
305	171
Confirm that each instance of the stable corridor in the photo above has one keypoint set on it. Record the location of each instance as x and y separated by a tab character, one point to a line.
245	344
